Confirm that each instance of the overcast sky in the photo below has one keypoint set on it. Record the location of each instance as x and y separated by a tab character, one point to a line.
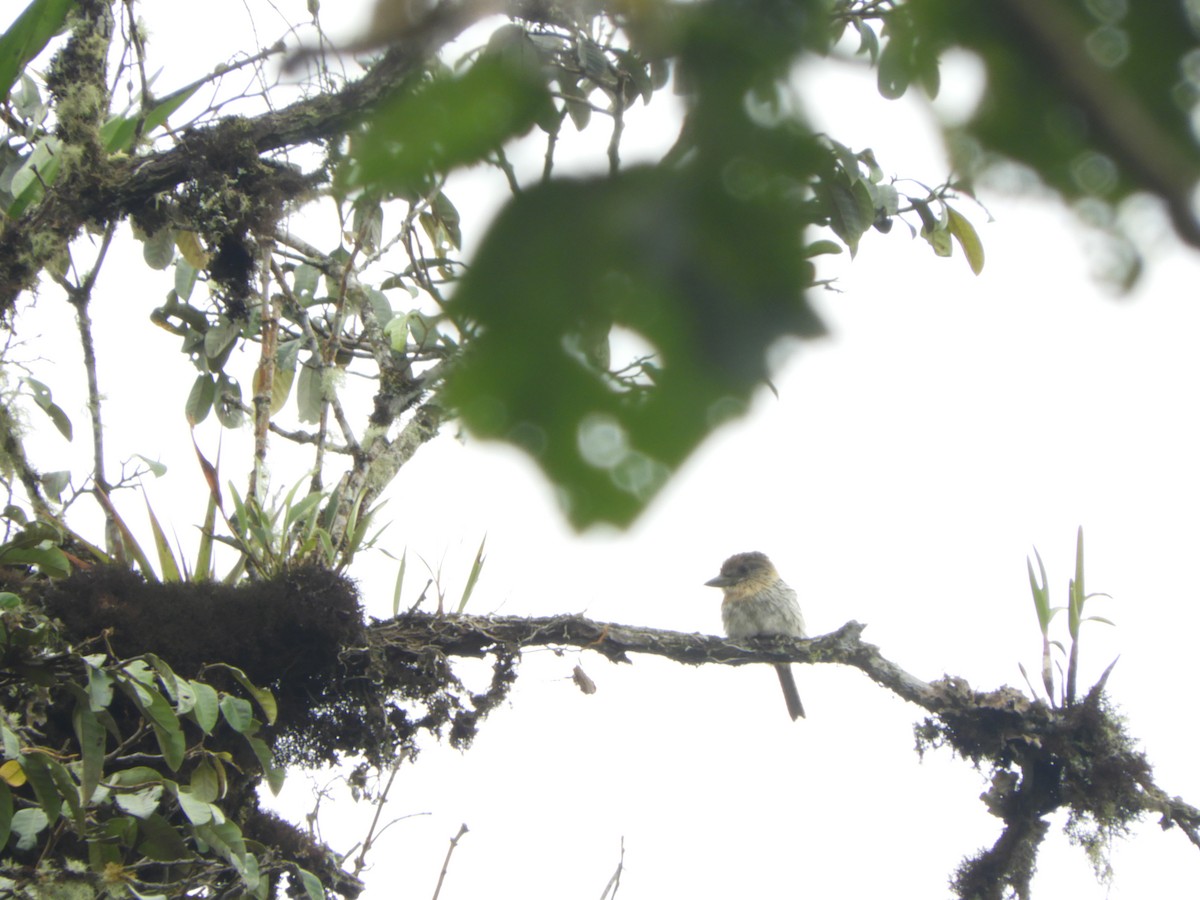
909	464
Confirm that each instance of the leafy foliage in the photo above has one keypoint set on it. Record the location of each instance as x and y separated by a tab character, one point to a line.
135	766
701	260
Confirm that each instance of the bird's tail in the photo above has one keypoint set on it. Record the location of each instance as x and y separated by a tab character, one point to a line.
788	682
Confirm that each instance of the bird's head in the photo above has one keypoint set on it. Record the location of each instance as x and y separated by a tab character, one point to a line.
745	573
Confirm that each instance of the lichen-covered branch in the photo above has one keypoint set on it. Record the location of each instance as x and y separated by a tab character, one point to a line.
111	188
1042	758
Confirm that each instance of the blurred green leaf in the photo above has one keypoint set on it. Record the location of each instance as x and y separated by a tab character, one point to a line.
709	280
1099	101
851	210
444	123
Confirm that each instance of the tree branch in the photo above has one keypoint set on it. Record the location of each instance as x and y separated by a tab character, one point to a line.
1042	758
123	185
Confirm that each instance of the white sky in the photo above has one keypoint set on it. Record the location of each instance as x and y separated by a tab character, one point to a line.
908	466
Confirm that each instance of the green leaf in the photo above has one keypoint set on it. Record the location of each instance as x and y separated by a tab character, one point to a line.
185	273
819	248
309	396
205	783
207	706
67	788
851	210
964	232
446	123
868	41
158	249
399	583
100	688
939	239
707	279
367	222
476	570
1131	113
157	469
154	706
118	132
27	824
51	561
198	811
237	712
312	884
226	838
219	338
228	402
37	770
91	736
895	65
200	398
6	813
12	744
141	803
131	543
264	698
275	774
28	36
166	557
284	373
43	398
136	777
161	841
40	169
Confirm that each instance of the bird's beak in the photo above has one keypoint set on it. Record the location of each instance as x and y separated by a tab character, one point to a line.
719	581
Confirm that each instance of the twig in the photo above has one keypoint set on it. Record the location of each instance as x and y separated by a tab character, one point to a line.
615	882
462	829
380	802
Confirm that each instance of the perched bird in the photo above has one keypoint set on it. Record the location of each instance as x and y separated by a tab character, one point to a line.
758	603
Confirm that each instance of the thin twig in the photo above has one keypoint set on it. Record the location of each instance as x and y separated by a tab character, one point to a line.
615	882
369	841
462	829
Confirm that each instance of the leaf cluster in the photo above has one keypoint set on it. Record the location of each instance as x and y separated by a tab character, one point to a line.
129	767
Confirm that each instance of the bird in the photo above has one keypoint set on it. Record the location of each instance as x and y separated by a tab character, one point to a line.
757	602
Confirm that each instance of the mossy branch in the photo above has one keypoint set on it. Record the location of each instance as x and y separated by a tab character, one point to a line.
1042	759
